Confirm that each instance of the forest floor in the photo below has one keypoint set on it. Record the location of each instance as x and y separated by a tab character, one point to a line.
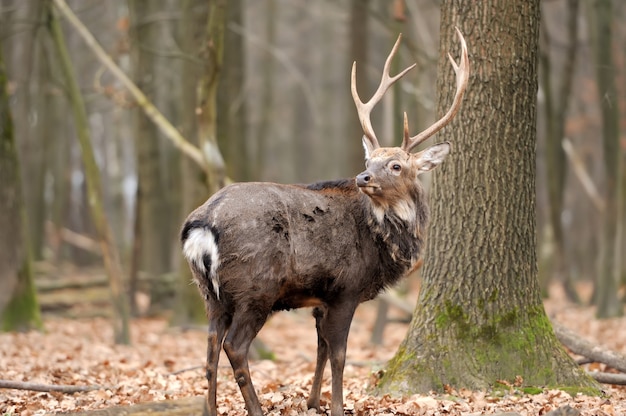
165	363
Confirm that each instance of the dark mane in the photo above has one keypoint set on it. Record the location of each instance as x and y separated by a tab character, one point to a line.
343	184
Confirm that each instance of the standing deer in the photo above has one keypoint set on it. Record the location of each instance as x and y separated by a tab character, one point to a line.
256	248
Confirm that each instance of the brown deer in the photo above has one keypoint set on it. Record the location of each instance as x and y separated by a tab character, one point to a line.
257	248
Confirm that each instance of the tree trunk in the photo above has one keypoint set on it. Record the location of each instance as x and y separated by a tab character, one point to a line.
480	317
19	309
190	306
158	75
110	255
232	114
26	69
206	105
606	291
555	111
359	35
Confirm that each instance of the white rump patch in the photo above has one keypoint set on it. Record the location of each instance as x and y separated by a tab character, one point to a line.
199	244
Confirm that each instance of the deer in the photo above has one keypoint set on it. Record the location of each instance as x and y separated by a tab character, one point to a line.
257	248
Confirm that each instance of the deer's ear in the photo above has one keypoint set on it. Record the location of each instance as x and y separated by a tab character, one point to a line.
432	157
367	146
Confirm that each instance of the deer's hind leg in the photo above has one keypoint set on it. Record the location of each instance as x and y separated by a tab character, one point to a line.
246	323
219	321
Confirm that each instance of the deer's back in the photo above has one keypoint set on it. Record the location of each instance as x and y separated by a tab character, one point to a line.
307	244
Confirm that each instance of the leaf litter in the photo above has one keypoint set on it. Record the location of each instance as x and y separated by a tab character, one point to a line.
166	363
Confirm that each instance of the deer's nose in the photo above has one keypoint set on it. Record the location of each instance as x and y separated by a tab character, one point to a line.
363	179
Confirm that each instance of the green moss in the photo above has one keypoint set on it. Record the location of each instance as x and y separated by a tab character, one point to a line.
515	341
531	390
22	312
573	391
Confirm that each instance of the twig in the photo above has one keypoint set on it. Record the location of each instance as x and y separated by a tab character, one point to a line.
184	370
24	385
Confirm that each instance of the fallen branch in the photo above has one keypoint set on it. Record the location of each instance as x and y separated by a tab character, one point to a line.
180	407
608	378
24	385
581	346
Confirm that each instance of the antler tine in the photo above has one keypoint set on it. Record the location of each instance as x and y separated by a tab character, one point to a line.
462	78
364	109
405	139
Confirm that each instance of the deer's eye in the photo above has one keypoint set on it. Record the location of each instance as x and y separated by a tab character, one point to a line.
396	167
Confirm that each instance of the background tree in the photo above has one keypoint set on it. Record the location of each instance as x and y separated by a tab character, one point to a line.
157	64
556	104
480	317
110	253
19	309
190	306
606	295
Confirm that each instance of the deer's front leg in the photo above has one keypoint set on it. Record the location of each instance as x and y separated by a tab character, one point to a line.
335	326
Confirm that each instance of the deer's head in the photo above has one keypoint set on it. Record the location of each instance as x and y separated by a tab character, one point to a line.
390	178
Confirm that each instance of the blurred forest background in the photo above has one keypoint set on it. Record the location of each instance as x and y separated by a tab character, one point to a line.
284	113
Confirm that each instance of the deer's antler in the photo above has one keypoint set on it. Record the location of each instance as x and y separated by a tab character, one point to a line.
462	78
364	109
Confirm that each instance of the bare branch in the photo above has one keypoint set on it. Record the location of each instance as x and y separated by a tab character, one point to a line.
582	175
151	111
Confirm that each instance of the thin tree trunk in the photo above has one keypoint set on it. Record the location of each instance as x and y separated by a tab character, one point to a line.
359	36
606	293
94	189
480	317
556	111
27	71
190	306
19	309
232	111
158	76
206	107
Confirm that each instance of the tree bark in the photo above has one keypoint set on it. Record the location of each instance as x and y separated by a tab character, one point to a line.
19	309
479	316
110	255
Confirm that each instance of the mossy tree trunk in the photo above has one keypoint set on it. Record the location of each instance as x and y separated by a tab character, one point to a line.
19	309
480	317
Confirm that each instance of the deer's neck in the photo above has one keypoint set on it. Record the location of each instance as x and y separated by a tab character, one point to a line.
398	227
